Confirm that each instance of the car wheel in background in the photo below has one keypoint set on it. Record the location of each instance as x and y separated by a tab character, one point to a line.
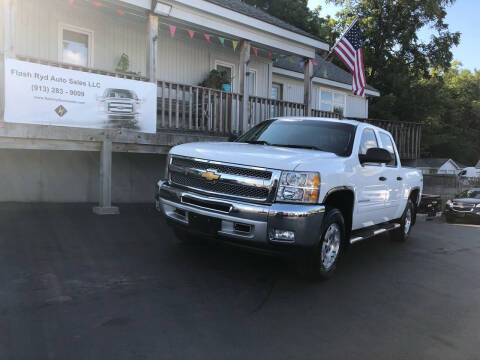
322	260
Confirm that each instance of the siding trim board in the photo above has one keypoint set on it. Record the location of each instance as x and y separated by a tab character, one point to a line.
294	74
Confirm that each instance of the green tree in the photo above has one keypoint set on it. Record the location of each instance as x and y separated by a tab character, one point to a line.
394	56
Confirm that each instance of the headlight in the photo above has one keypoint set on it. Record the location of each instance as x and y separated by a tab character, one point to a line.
449	203
169	160
298	187
477	206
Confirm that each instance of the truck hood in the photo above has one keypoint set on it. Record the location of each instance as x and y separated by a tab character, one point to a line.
273	157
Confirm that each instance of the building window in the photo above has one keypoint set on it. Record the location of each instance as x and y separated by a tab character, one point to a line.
277	91
228	68
75	46
332	101
252	82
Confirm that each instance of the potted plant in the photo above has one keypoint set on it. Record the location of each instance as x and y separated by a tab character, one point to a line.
218	80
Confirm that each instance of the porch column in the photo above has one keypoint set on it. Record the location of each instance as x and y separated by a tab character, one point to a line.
152	47
9	16
105	202
244	70
307	86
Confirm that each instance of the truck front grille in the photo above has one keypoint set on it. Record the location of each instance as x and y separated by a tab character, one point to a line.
462	207
247	183
120	107
219	187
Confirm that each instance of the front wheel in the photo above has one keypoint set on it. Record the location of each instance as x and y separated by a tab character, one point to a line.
322	261
406	222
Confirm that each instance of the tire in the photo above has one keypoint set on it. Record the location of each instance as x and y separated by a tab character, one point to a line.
406	223
322	261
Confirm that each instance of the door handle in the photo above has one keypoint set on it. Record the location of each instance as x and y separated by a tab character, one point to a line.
399	178
382	178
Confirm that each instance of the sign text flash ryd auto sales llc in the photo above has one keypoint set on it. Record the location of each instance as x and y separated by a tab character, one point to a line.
47	95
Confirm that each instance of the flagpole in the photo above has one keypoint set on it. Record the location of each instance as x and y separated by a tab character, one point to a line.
340	38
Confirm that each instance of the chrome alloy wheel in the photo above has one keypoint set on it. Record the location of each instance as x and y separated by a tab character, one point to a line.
331	246
408	220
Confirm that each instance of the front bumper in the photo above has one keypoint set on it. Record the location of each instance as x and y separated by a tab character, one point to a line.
246	223
468	215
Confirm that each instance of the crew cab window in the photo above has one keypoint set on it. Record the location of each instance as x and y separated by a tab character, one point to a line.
368	141
387	144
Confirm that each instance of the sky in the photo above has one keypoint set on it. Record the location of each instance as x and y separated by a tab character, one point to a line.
461	17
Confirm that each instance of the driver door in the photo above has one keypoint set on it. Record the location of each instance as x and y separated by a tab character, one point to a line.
371	186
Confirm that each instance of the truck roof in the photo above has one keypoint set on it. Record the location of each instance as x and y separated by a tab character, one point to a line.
345	121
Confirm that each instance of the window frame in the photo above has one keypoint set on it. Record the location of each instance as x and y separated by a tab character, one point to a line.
280	92
360	145
90	35
395	153
332	102
254	71
233	69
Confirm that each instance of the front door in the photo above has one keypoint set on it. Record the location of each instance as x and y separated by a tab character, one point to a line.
371	187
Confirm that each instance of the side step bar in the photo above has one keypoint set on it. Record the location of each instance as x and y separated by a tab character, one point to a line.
371	232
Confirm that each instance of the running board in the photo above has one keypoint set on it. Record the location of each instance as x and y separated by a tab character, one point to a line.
371	232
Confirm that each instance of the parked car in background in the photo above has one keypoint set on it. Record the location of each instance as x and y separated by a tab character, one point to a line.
301	186
466	206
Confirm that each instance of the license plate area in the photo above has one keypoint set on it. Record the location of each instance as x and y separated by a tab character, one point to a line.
204	224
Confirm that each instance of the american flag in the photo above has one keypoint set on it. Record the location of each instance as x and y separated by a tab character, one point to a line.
349	49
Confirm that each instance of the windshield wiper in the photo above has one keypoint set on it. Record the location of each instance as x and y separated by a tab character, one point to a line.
312	147
257	142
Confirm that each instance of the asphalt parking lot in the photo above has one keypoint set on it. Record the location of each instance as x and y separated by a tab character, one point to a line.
78	286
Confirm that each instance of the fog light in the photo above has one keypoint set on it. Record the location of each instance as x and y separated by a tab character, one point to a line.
283	235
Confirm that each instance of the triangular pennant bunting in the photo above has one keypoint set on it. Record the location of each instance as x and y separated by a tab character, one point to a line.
314	63
255	51
172	30
235	44
291	59
207	37
222	40
191	33
269	54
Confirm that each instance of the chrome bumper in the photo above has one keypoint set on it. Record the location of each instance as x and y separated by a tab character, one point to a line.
253	224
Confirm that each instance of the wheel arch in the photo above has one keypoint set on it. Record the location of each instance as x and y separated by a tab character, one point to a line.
342	198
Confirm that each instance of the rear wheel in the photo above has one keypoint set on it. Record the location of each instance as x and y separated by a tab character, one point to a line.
406	223
322	261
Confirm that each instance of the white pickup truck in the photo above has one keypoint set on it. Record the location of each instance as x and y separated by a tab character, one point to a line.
303	186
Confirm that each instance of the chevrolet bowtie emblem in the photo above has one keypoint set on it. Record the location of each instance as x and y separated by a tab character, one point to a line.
210	176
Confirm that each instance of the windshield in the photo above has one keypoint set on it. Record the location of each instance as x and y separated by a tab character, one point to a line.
326	136
470	194
120	94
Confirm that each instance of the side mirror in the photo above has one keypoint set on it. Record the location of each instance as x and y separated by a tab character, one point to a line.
233	137
376	155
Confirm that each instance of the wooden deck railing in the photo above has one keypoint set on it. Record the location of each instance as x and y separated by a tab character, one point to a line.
195	108
261	109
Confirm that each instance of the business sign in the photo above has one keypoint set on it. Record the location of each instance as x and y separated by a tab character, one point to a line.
48	95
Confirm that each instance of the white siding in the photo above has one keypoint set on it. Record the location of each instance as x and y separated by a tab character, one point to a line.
356	106
37	32
187	61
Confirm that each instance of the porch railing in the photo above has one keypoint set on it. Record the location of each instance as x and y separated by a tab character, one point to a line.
195	108
261	109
